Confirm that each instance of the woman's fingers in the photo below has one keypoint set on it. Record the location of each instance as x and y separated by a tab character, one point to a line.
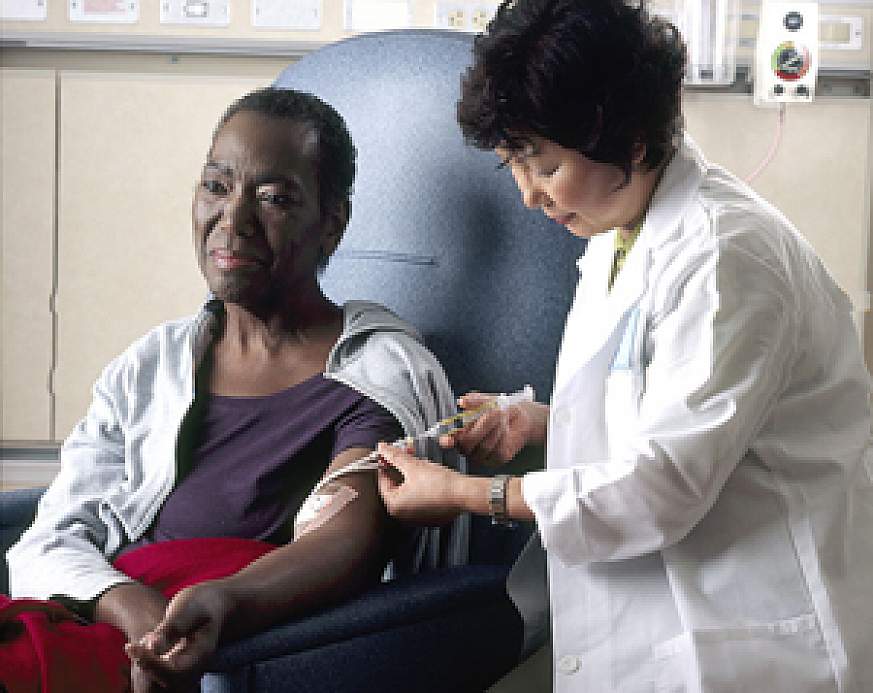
181	657
474	399
490	453
390	476
447	441
188	653
394	456
474	441
141	681
146	667
419	491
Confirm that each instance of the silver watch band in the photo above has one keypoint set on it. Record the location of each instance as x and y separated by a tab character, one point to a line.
497	500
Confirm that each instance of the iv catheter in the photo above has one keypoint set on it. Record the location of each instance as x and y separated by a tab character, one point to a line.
446	426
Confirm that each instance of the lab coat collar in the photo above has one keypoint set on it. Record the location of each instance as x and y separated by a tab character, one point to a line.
606	309
673	193
600	310
675	190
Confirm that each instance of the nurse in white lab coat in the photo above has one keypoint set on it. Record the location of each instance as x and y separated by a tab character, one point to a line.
707	506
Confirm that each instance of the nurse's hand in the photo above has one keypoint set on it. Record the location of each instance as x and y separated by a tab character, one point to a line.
417	491
501	434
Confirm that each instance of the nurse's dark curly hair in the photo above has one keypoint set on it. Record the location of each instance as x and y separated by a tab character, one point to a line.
597	76
336	151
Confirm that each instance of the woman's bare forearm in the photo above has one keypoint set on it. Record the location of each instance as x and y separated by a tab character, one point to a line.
320	569
131	607
323	566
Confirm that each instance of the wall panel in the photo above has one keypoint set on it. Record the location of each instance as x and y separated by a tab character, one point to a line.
27	182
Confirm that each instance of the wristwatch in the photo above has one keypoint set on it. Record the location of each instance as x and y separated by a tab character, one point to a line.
497	500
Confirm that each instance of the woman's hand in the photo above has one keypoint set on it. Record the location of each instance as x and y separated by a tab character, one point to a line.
417	491
175	651
499	435
135	610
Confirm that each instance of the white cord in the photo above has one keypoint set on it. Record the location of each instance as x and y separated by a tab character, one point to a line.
777	138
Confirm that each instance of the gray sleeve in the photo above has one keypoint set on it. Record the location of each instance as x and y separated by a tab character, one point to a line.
64	551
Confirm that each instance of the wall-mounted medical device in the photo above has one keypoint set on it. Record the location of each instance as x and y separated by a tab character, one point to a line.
787	52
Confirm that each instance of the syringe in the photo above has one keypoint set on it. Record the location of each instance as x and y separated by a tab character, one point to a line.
316	501
452	424
442	427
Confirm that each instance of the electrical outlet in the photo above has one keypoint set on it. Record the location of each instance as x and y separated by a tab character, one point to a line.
457	19
480	15
463	16
450	15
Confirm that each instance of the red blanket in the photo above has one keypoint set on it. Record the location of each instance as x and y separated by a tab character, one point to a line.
44	648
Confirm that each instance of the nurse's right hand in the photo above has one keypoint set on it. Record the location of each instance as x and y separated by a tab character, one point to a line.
501	434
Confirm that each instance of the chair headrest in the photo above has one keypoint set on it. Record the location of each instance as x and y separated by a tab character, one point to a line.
437	233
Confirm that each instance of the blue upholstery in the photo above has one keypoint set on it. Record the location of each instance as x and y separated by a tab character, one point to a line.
437	234
441	237
17	509
451	630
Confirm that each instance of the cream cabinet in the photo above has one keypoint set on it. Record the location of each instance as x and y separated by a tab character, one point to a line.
27	213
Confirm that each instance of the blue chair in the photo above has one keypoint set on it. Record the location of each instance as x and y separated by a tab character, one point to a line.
441	237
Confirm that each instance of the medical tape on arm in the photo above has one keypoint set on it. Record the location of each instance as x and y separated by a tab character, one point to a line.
328	498
317	510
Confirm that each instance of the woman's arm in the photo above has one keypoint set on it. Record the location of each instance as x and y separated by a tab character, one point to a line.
341	557
325	565
422	492
64	550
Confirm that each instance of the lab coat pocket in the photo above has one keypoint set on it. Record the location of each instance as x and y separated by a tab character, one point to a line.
786	655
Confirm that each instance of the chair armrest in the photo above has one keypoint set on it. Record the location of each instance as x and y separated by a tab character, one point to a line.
395	604
17	509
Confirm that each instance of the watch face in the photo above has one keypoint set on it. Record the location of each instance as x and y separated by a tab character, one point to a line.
790	61
497	498
793	21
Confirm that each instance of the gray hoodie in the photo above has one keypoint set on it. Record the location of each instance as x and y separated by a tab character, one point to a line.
119	463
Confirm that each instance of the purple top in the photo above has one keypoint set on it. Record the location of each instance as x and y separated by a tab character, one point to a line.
255	459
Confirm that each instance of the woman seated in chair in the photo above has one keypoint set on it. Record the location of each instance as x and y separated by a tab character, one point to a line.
209	431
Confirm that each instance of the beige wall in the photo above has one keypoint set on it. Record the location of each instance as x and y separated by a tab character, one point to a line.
819	176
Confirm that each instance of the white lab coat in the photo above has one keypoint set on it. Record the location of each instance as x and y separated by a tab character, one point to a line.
707	507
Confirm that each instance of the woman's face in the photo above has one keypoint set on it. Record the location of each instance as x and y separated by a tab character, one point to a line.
258	229
586	196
